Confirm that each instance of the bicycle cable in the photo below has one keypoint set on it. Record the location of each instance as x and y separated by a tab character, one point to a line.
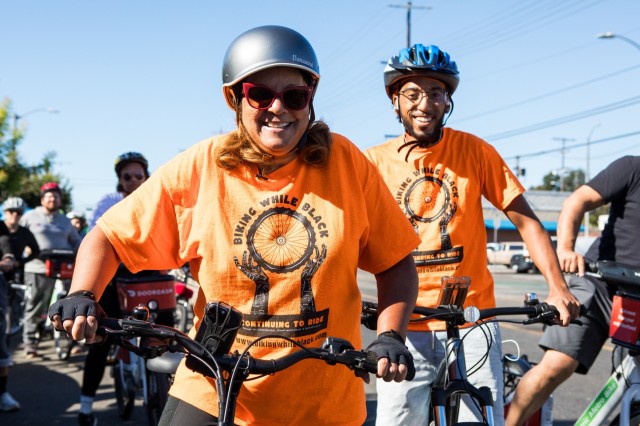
242	356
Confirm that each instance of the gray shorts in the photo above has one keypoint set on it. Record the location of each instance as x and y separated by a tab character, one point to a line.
583	342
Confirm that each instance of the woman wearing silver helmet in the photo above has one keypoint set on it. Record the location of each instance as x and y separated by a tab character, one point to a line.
274	219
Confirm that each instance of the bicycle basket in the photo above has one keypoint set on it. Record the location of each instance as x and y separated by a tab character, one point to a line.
624	327
144	290
58	263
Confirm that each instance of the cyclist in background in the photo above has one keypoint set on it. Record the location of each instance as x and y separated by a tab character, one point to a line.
52	230
79	222
8	263
575	348
274	219
439	175
132	169
24	248
23	243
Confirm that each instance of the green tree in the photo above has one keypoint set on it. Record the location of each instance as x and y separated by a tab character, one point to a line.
572	181
17	178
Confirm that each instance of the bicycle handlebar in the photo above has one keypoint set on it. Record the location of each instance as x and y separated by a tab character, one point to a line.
333	351
536	312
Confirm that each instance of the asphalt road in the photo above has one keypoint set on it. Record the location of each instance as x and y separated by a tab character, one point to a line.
49	389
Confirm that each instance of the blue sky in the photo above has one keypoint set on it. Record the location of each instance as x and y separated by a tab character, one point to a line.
145	75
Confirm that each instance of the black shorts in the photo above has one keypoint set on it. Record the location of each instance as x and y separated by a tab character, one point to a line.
583	342
178	412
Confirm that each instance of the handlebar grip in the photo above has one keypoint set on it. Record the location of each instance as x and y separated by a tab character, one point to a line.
366	361
108	323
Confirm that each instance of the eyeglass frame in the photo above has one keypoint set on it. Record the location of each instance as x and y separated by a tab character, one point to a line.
424	93
246	86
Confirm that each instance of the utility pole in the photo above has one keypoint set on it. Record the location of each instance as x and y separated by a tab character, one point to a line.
520	172
562	169
409	6
587	176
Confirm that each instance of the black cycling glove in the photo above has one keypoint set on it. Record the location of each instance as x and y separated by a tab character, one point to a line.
391	345
79	303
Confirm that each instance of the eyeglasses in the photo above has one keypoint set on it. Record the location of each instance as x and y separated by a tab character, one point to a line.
19	213
127	177
262	97
434	96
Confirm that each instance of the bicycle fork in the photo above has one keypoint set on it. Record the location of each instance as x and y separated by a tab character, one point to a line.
615	389
446	400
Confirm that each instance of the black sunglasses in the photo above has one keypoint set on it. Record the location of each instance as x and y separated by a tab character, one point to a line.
127	177
262	97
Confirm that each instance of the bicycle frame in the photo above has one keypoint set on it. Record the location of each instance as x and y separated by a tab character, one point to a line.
134	364
623	384
446	395
615	389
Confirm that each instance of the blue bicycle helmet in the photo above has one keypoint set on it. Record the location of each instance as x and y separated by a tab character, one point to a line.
428	61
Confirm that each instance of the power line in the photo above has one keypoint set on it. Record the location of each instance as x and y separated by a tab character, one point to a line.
549	151
566	119
549	94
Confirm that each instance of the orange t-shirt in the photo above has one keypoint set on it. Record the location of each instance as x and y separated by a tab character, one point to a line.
283	251
440	189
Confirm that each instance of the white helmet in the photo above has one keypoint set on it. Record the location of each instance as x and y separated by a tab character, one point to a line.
14	203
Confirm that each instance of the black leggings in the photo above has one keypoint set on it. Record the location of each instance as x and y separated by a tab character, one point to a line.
178	412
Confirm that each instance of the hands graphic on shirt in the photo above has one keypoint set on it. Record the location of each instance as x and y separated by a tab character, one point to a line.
307	302
444	222
254	272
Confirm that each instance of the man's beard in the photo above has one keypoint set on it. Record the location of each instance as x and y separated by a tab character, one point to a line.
422	141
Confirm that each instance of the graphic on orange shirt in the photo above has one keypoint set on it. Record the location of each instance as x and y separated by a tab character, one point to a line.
281	241
429	199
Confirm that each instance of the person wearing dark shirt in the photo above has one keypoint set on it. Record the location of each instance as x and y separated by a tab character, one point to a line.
575	348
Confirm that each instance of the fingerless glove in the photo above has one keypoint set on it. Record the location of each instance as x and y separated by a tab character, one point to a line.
390	344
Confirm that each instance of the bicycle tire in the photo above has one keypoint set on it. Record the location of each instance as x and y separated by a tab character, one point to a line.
634	418
157	392
181	316
125	391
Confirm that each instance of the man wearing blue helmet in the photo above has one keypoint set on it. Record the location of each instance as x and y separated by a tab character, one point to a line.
438	176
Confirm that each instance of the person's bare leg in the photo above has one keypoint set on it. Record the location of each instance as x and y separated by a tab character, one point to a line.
538	384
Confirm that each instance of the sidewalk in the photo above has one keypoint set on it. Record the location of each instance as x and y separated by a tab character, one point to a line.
48	390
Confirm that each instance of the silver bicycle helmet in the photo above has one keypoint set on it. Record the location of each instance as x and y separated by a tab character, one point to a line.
14	203
428	61
262	48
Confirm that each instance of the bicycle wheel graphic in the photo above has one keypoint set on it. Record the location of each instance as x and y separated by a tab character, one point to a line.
427	199
281	240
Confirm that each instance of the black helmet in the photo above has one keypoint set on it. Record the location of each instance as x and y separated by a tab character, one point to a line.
428	61
266	47
131	157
